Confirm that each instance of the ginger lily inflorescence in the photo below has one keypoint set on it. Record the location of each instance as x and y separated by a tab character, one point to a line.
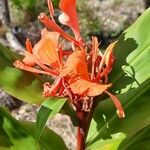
81	72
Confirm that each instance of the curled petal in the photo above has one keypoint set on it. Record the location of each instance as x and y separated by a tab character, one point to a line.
84	87
29	61
69	16
107	55
38	62
108	60
22	66
118	105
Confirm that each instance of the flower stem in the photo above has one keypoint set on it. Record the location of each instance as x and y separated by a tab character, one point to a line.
80	139
81	133
84	124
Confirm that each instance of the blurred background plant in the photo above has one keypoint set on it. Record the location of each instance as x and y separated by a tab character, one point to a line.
31	7
104	18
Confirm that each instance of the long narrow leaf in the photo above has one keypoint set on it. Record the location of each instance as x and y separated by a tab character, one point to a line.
19	135
48	109
20	84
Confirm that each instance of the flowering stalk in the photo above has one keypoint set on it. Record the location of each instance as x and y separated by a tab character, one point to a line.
80	73
81	131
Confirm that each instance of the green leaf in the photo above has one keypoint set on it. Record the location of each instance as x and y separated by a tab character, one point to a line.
141	140
131	80
20	84
49	108
108	144
19	135
132	56
28	4
106	122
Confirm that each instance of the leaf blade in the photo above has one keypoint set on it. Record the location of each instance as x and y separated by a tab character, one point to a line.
131	80
48	109
17	82
21	135
132	56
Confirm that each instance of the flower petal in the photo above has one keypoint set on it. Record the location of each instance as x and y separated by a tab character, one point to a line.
20	65
107	60
47	48
27	59
76	65
87	88
117	103
69	16
28	46
40	64
94	55
108	55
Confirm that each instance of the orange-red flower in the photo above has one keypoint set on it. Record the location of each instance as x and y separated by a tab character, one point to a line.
80	73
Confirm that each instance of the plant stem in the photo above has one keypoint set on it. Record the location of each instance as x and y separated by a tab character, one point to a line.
81	133
84	124
80	139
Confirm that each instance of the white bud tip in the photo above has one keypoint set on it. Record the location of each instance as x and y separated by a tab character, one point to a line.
120	113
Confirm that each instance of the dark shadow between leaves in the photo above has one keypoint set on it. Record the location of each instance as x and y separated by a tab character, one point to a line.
119	78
